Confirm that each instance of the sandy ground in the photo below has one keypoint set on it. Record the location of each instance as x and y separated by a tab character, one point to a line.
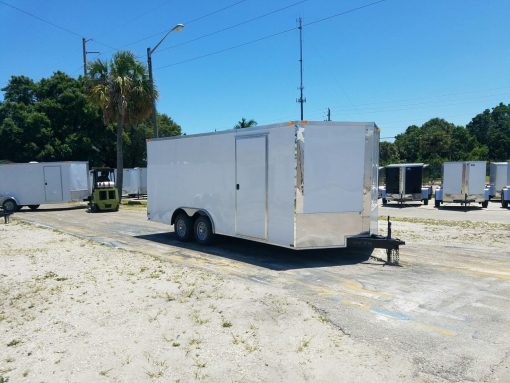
72	310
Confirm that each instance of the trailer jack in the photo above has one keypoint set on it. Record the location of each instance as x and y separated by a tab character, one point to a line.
392	245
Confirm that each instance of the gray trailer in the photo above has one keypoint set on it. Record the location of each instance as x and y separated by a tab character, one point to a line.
505	192
404	183
36	183
463	183
498	178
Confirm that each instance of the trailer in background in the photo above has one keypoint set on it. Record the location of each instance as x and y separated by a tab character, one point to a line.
498	178
404	183
303	185
134	181
505	193
37	183
464	183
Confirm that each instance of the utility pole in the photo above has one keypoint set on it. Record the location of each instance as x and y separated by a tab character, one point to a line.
84	48
301	99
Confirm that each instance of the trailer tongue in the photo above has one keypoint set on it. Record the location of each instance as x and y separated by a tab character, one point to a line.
392	245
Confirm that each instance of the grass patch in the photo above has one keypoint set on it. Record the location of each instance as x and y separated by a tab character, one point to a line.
439	222
13	343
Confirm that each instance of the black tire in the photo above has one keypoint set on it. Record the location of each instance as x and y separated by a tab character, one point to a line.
183	227
437	203
33	207
93	208
202	230
10	206
504	203
384	201
485	204
425	201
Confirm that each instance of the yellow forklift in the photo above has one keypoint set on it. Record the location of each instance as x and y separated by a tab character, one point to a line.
105	196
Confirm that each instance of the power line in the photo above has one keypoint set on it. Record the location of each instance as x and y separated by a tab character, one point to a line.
229	48
268	36
215	12
343	13
64	29
41	19
235	25
187	22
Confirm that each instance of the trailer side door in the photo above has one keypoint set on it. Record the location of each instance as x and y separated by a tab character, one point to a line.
52	183
251	186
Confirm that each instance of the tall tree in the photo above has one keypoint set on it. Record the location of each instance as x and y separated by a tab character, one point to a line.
121	88
245	124
492	128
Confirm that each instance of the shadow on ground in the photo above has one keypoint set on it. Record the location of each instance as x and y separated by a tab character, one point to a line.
267	256
459	208
47	209
402	206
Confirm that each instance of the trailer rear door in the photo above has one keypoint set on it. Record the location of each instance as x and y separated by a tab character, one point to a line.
476	179
452	177
52	183
251	186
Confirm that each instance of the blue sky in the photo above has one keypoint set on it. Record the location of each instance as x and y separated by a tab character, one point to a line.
397	62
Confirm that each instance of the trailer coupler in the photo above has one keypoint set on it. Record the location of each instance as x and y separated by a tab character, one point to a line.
391	245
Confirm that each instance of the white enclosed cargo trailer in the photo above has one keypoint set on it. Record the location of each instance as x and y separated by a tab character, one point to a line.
34	184
498	178
505	193
134	181
297	185
464	183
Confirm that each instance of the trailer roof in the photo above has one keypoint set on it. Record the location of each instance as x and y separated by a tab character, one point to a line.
269	126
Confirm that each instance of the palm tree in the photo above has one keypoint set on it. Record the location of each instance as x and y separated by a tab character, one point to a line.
245	124
122	89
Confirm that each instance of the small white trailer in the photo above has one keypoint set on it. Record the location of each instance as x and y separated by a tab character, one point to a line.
464	183
498	178
404	183
302	185
505	193
36	183
134	181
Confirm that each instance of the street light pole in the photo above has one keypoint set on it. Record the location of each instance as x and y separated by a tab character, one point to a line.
150	51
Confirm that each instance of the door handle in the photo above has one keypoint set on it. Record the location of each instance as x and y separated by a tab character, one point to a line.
237	186
46	183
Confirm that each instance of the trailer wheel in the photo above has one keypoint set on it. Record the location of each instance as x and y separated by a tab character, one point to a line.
384	201
504	203
202	230
425	201
485	204
437	203
10	206
183	227
33	207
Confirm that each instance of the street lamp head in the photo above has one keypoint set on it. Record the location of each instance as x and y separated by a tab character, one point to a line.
178	28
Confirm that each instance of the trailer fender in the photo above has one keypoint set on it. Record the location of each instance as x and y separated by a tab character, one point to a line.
4	198
193	213
486	194
439	194
425	193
